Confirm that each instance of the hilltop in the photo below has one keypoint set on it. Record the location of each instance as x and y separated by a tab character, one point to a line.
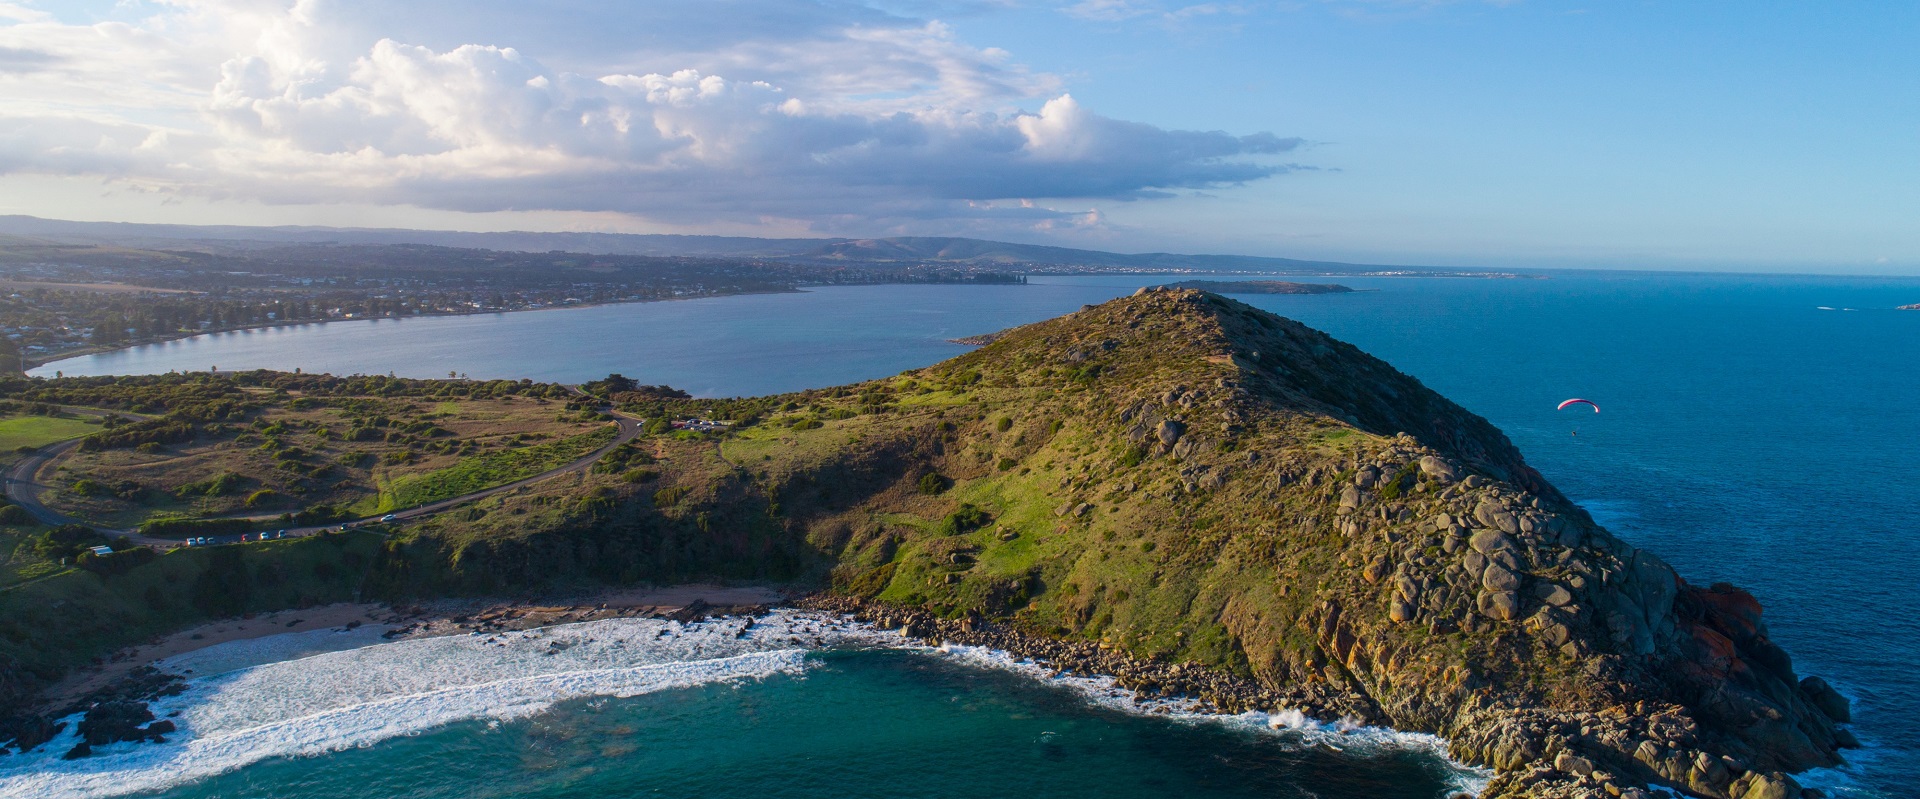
1201	497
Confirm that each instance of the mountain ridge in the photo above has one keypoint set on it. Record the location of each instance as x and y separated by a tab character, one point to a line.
913	249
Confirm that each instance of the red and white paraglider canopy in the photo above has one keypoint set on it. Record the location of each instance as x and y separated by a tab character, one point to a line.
1578	401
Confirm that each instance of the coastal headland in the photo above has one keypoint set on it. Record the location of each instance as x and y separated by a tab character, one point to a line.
1174	488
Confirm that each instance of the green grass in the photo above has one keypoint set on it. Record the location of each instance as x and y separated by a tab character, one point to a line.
485	471
39	431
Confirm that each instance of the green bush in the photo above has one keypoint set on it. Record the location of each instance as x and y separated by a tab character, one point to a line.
965	520
218	485
934	483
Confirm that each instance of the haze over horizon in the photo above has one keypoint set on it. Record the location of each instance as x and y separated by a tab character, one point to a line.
1507	133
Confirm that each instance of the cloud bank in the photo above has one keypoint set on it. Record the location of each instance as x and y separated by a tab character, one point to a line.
734	110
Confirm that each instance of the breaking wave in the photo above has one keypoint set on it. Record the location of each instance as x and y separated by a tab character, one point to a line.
344	699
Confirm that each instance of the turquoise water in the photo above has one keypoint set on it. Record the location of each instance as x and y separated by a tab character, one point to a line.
873	723
1747	435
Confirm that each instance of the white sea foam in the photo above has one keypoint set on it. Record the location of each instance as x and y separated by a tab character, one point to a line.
342	699
1288	727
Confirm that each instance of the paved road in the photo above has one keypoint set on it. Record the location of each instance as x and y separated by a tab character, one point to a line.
24	490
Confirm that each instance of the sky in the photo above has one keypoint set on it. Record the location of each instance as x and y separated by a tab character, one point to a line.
1757	136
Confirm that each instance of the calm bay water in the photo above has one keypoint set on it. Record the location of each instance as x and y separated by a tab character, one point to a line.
1747	436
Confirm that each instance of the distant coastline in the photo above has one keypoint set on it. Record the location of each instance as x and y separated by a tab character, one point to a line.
1260	287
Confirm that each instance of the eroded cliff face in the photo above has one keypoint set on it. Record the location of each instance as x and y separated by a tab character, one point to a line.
1179	478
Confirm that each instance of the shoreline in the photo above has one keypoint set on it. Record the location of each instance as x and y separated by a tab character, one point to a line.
30	364
426	619
1478	743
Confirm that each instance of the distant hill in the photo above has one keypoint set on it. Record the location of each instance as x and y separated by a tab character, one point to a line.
897	250
237	237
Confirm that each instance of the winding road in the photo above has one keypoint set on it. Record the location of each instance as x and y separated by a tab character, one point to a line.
23	488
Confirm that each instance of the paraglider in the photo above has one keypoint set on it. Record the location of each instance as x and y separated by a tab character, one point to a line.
1578	401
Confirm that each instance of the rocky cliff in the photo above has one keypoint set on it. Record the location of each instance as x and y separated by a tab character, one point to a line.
1220	497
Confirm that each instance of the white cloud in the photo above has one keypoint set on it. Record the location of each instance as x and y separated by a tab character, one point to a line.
837	113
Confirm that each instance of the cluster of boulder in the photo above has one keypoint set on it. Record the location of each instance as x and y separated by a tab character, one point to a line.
116	713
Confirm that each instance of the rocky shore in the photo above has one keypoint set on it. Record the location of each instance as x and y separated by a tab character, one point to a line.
1536	753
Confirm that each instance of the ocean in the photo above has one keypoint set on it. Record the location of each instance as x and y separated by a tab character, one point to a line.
1753	429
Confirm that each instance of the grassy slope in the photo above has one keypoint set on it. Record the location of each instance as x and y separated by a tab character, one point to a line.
485	471
306	454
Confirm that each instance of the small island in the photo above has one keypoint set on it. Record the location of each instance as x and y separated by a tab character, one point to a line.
1260	287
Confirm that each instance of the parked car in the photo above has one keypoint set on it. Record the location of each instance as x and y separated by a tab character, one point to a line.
390	518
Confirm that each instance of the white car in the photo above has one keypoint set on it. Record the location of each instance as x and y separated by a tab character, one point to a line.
389	518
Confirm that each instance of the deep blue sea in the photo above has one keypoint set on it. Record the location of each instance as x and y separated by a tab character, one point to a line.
1761	430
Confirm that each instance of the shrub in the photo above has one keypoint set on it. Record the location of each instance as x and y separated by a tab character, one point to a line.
965	520
15	515
218	485
933	483
64	541
1006	463
263	497
1004	424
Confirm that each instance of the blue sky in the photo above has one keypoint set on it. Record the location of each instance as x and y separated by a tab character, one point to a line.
1765	136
